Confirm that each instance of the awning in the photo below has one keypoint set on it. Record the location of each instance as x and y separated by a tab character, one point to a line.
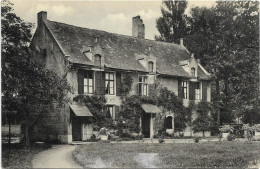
149	108
81	111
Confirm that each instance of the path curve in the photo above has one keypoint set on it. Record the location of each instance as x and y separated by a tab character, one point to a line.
59	156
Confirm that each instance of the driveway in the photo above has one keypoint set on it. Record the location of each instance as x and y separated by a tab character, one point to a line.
59	156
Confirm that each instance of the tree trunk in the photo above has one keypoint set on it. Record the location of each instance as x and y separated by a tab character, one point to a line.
27	140
9	134
218	100
203	134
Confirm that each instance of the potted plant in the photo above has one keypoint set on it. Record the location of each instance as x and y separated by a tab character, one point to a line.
257	130
103	134
226	130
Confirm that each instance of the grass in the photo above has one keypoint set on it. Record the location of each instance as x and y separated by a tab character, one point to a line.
208	154
20	156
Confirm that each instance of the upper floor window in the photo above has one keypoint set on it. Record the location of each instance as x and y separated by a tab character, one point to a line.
197	91
193	70
109	82
184	89
150	66
97	60
143	86
88	82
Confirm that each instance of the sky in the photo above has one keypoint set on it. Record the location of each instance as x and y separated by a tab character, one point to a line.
110	16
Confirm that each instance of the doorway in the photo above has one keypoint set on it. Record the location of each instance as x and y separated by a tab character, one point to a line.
76	129
146	124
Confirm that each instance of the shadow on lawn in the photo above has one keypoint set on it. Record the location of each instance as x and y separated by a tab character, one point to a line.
19	156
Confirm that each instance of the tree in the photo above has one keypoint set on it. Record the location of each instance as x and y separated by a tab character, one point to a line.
35	88
172	24
203	120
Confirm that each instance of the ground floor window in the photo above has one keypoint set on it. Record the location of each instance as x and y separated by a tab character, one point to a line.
110	112
168	122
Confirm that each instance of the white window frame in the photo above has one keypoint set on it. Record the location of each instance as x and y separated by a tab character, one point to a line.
184	86
86	83
143	85
109	82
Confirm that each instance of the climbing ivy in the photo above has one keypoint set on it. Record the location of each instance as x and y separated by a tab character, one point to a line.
126	84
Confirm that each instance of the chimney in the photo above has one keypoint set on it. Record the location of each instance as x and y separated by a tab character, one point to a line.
181	41
42	17
198	60
138	29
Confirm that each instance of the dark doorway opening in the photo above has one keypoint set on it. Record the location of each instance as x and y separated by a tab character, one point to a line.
146	125
76	129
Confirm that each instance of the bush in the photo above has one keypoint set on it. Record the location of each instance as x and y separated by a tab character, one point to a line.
196	139
226	129
231	137
161	140
93	138
103	131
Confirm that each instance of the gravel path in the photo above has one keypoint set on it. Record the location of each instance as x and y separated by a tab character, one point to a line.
59	156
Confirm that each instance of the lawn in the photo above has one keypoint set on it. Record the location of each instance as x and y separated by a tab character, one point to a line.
207	154
20	156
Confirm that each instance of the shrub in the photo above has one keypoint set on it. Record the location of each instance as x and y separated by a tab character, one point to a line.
93	138
103	131
231	137
226	129
196	139
161	140
257	127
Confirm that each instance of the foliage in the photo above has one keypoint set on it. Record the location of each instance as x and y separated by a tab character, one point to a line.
93	138
96	105
231	137
226	39
196	139
132	111
126	84
103	131
27	86
161	140
203	120
170	102
257	127
226	129
172	24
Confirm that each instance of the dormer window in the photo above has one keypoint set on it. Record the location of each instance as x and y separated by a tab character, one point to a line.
97	61
193	70
150	66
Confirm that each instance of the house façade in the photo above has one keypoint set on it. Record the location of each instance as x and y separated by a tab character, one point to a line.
93	62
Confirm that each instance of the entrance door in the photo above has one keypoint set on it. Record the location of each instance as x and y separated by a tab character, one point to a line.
146	125
76	129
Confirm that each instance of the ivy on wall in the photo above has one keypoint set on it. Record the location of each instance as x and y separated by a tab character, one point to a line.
126	85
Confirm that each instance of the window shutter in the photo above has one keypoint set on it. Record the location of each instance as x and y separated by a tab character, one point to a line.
204	90
98	82
80	81
116	112
191	90
103	82
152	88
180	92
118	84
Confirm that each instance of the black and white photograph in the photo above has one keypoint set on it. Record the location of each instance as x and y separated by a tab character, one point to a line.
130	84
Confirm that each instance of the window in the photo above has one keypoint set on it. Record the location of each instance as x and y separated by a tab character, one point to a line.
110	113
97	61
143	85
88	82
109	82
150	66
197	91
193	72
184	89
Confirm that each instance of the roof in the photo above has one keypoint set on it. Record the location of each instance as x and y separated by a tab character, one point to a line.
81	111
149	108
119	50
202	75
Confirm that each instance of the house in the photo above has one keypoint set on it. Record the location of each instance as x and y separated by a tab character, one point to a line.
93	62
